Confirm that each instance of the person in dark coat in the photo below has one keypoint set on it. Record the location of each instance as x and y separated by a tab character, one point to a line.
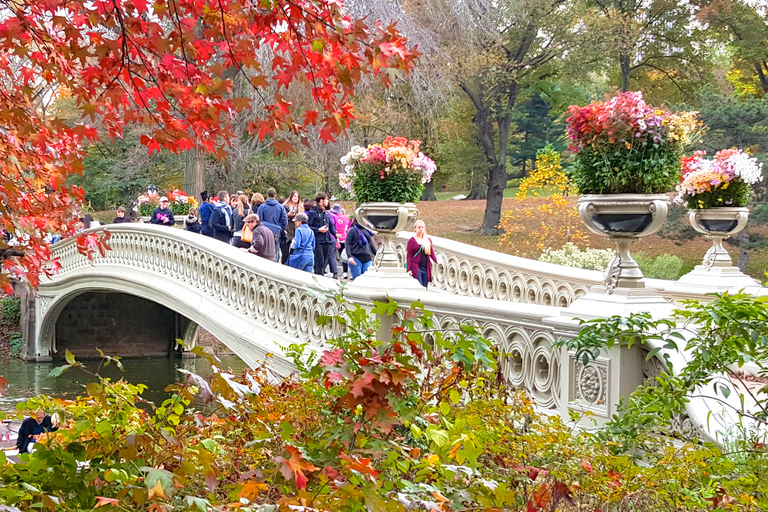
325	232
32	427
121	218
162	214
191	221
272	214
221	219
205	210
360	249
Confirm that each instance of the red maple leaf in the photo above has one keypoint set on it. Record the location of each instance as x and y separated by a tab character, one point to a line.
295	466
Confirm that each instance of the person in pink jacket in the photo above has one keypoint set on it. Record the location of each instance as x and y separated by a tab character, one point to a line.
419	255
342	222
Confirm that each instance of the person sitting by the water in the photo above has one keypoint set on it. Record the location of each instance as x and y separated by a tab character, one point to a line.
31	428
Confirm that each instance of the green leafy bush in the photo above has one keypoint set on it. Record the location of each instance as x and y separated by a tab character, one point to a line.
15	341
11	310
665	266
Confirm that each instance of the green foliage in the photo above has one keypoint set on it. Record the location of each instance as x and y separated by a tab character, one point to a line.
418	422
665	266
10	308
646	168
16	343
398	187
717	337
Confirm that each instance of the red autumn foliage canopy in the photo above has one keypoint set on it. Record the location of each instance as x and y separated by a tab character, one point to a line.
169	65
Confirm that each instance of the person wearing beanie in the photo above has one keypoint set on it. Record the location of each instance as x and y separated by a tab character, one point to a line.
263	240
121	218
303	247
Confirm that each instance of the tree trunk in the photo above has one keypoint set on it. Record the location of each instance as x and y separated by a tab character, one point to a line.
762	77
625	72
497	180
194	173
429	192
478	187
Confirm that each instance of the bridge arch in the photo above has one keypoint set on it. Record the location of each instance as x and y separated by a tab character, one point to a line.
251	305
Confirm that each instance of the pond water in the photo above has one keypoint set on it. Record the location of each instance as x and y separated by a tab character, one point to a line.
26	380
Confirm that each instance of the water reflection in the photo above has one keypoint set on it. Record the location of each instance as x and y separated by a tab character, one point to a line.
26	380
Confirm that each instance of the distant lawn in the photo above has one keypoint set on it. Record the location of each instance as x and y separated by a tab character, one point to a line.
509	193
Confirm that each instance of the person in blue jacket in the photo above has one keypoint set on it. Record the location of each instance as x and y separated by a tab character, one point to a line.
205	210
303	247
273	216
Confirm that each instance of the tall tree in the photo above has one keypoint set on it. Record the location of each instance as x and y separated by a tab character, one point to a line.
744	26
496	49
650	38
162	65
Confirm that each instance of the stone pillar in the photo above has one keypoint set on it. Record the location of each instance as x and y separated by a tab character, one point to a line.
28	321
599	386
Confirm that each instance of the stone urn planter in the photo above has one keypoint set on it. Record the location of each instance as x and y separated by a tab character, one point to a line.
718	224
623	218
387	219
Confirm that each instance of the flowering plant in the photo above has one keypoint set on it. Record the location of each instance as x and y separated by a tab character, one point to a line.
625	146
724	180
394	170
148	202
179	202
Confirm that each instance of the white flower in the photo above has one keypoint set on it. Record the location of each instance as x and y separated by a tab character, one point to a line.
746	167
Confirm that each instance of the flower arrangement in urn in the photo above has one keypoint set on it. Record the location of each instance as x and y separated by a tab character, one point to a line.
725	180
179	202
393	171
624	146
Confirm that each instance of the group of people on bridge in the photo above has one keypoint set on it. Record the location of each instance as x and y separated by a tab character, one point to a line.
307	235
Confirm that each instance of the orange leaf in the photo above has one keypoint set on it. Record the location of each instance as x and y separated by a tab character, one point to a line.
101	501
250	490
157	490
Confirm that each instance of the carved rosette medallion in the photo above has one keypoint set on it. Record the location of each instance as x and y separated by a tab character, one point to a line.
591	383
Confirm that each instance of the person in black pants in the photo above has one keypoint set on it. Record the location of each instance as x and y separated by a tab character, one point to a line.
325	233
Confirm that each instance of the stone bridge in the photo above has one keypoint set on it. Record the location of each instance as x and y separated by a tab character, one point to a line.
156	278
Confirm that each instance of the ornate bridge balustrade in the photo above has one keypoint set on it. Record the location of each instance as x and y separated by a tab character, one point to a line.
476	272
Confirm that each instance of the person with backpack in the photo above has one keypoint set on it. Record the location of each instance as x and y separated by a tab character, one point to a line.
359	248
220	222
303	246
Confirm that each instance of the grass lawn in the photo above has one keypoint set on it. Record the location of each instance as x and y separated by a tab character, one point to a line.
461	221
